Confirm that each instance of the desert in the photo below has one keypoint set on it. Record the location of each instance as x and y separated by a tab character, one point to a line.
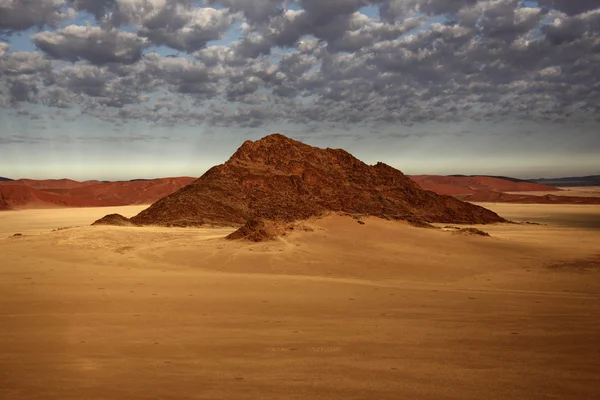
299	200
402	293
334	310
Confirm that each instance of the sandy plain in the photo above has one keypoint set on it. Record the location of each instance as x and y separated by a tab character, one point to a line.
575	191
337	311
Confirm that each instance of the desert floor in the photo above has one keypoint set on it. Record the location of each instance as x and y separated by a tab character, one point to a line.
336	310
576	191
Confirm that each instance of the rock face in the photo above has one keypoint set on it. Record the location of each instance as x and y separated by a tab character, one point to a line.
256	230
470	232
277	178
113	219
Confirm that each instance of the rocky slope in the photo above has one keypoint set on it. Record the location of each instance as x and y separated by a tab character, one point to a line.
114	220
277	178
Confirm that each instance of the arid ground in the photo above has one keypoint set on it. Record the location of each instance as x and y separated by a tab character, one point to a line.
578	191
334	310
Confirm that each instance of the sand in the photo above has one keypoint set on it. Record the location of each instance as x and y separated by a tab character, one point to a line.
36	222
574	191
345	311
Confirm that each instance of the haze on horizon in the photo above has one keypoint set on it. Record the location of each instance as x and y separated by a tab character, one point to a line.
124	89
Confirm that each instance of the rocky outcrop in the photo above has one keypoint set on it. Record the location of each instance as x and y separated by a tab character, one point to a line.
277	178
256	230
114	220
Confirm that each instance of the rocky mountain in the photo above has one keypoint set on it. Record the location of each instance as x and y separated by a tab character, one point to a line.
277	178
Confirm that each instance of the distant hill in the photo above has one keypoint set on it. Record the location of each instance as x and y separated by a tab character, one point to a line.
44	184
501	189
29	193
506	178
5	179
592	180
457	185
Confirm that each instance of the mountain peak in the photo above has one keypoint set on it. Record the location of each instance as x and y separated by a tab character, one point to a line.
278	178
261	149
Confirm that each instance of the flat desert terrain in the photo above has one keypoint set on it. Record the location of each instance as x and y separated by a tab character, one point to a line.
334	310
575	191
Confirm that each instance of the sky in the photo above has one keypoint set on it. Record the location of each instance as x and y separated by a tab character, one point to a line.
124	89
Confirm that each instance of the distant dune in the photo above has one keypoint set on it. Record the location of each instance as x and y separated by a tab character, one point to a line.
465	185
575	181
52	193
29	193
44	184
500	189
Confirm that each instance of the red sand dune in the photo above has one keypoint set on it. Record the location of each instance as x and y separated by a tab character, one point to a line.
462	185
49	193
44	184
498	197
489	189
28	193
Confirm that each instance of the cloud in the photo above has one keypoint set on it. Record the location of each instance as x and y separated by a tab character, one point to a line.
174	23
18	15
219	55
4	47
319	62
570	7
23	73
21	139
185	29
93	44
184	76
255	11
566	29
24	63
98	8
